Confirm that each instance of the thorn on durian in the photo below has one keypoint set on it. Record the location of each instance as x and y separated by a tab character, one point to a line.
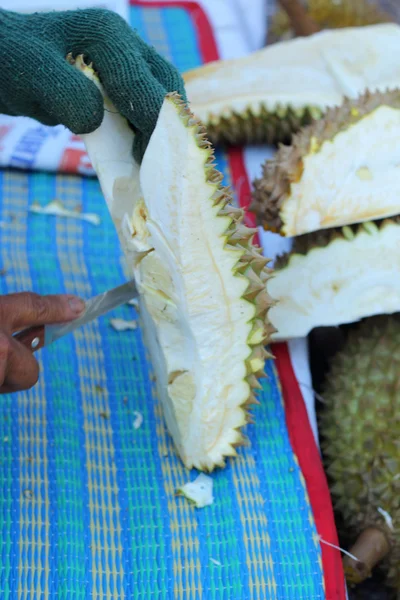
236	214
252	400
242	234
214	176
220	197
244	441
255	362
263	303
258	333
255	286
250	418
267	355
253	382
261	374
259	264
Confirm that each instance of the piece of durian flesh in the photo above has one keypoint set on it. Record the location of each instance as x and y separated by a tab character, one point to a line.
269	94
203	302
335	277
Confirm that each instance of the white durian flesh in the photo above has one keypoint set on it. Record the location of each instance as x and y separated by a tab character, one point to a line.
336	276
203	301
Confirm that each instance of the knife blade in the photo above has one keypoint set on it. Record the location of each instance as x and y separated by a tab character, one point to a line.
43	335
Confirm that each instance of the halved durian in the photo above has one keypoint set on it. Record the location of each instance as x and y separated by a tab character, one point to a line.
203	302
342	169
269	94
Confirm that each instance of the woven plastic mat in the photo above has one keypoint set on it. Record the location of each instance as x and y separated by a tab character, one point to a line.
87	498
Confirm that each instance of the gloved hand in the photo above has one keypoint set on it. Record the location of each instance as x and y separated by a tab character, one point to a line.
37	81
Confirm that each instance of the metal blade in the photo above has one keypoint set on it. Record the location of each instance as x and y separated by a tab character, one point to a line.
95	307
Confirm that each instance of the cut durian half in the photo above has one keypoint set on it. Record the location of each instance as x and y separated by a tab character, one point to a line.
341	170
203	301
335	277
265	96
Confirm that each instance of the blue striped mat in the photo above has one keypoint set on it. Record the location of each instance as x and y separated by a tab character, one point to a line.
87	503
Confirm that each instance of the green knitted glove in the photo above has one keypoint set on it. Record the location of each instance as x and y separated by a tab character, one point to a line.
37	81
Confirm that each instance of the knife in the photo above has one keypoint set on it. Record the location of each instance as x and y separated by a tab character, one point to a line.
36	337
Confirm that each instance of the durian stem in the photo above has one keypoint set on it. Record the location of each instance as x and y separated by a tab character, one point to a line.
300	20
370	548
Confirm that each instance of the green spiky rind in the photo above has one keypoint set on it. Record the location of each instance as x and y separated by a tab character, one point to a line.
303	244
273	188
265	126
360	431
251	265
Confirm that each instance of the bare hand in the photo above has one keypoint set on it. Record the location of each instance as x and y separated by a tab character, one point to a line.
19	369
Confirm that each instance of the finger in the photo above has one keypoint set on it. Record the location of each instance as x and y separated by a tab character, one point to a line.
20	369
134	91
166	74
140	142
27	107
27	309
74	101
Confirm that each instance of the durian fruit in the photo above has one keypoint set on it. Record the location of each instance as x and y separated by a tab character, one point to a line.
203	302
342	169
331	14
360	439
269	94
336	276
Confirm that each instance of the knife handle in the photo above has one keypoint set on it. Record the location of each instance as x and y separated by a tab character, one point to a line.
32	338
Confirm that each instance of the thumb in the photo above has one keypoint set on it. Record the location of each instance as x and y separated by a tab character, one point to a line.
26	309
67	96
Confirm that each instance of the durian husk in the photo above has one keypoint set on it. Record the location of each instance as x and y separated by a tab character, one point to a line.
303	244
278	203
266	96
125	186
260	127
336	276
360	439
330	14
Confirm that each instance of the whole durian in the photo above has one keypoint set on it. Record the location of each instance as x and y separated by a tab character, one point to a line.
341	169
360	439
269	94
330	14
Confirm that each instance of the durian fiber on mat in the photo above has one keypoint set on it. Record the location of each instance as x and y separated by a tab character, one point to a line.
87	504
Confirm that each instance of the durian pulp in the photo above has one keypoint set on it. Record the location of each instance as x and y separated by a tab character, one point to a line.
353	178
315	72
195	322
342	282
